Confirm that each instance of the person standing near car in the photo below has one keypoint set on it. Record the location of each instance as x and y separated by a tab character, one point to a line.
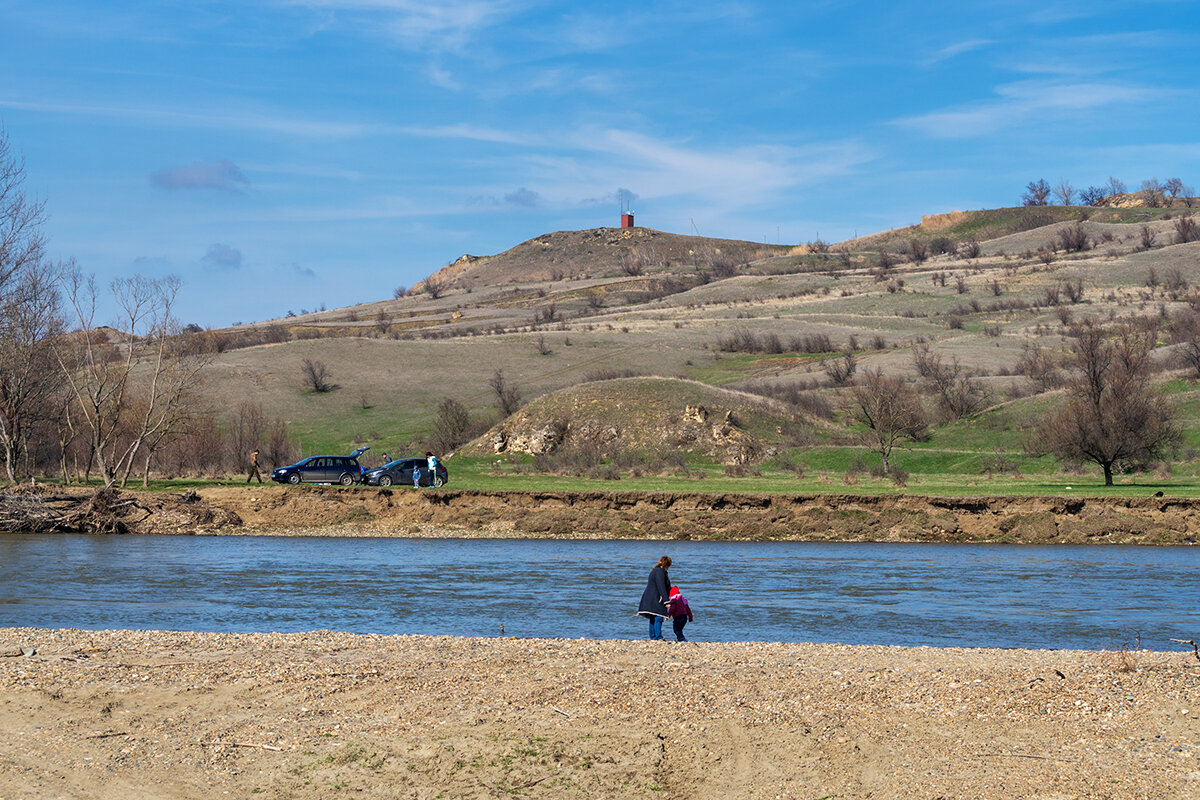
432	463
417	475
254	467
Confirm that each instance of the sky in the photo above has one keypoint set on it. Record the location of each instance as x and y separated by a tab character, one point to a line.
285	155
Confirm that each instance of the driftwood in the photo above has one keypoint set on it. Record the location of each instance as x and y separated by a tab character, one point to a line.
40	509
1192	642
102	511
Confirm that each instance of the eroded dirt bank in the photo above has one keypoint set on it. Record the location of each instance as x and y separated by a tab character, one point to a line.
362	511
139	714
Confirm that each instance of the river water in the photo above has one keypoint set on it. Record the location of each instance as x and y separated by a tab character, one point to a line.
1065	597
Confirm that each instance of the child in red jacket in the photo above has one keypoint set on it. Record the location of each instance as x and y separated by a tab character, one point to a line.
680	612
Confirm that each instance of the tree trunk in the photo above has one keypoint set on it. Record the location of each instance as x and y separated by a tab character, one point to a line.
1108	475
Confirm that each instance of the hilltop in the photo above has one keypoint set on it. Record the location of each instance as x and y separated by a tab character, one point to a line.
599	252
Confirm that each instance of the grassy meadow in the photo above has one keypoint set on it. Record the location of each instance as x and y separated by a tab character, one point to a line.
393	362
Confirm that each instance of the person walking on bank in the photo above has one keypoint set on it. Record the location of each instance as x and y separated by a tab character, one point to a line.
254	467
654	600
680	611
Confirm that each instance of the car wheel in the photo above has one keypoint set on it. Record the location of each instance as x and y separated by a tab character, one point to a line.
346	480
438	482
294	478
385	480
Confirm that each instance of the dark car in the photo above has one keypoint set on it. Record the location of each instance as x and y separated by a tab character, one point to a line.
400	472
322	469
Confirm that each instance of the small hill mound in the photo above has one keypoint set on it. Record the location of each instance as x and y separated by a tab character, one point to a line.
645	415
570	255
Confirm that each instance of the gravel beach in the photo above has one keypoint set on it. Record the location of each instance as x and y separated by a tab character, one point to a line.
132	714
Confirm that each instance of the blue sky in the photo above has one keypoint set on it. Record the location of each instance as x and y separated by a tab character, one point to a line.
284	154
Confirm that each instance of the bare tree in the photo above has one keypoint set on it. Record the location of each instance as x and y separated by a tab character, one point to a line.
315	375
1116	186
451	424
958	395
842	368
1113	417
1152	193
1064	192
1173	187
1073	238
127	383
434	287
30	318
508	397
1036	193
889	410
21	240
1093	196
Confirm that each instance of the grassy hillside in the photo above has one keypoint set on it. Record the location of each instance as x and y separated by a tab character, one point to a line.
767	324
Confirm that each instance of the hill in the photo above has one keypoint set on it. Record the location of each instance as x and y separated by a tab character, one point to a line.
650	417
599	252
994	305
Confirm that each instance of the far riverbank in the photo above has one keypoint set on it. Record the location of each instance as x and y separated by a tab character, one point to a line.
367	511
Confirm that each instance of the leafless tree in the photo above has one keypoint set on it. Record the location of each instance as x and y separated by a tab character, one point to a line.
508	397
451	426
128	383
958	394
842	368
1186	229
1093	195
21	239
1116	186
1073	238
315	375
1064	192
1036	193
399	292
1152	193
434	287
1113	417
30	381
889	410
1185	334
1173	187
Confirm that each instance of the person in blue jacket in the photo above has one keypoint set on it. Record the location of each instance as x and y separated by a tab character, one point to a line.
654	600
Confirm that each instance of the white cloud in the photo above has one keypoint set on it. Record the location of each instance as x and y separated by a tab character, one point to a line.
419	25
1028	101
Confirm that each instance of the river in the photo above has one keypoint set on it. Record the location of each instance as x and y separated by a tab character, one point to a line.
1066	597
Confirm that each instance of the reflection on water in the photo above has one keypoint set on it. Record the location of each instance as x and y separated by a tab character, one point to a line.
893	594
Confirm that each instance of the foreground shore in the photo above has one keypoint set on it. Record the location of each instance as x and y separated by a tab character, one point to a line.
127	714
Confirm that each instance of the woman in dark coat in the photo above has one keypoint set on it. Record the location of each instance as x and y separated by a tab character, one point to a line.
654	599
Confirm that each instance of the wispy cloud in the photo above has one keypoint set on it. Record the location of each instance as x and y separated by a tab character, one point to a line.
450	24
251	120
222	175
520	198
1026	101
222	256
956	49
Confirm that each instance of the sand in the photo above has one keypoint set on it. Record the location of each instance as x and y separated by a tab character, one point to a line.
127	714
